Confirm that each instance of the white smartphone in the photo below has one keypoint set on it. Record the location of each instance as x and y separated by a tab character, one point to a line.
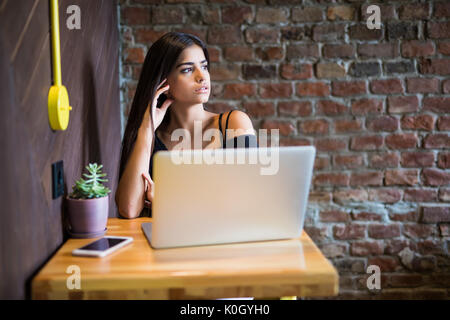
102	247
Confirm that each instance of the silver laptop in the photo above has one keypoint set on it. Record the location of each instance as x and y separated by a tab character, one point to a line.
218	196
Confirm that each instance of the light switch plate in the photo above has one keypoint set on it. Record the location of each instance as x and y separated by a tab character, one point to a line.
58	179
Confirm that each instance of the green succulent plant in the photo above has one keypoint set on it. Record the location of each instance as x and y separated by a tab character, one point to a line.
92	187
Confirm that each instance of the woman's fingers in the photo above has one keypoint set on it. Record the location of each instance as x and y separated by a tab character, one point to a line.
159	86
166	105
161	90
157	94
147	179
157	115
149	186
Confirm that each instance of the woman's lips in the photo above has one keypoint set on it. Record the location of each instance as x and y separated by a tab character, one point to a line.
202	90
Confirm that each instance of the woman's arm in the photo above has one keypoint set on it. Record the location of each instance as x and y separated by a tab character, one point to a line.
130	193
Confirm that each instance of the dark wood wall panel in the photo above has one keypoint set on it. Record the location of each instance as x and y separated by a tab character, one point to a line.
15	16
31	221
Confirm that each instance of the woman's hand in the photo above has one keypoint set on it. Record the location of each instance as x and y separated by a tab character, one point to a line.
157	113
148	187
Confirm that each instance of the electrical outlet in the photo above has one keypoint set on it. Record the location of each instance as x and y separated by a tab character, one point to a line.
58	179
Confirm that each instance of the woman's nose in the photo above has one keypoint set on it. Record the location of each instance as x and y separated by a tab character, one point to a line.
200	76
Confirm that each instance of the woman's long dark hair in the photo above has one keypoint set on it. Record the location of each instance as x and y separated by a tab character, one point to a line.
160	59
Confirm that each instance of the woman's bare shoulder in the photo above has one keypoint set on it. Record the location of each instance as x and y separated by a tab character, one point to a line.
239	120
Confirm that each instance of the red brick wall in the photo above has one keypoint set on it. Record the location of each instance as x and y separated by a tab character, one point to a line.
375	103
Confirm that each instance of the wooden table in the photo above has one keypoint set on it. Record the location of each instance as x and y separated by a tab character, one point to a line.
263	269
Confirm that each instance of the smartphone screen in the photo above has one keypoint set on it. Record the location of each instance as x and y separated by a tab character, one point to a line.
103	244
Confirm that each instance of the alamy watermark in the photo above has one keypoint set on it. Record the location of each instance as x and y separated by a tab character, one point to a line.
266	156
74	20
374	281
74	280
374	20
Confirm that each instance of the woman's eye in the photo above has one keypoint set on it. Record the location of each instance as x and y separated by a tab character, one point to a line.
205	67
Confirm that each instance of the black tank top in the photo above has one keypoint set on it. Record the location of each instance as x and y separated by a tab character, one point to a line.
244	141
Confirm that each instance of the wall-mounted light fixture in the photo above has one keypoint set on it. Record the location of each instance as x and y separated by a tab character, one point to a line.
58	98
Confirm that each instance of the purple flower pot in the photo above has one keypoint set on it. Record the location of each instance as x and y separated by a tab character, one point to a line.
87	216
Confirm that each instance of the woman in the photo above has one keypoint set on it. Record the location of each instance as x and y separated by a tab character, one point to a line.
175	74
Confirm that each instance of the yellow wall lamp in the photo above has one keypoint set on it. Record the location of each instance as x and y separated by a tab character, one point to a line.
58	98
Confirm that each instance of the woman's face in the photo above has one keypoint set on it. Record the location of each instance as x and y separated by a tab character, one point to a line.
189	81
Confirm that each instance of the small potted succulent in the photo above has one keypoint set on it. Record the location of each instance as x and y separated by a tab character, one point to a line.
87	205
